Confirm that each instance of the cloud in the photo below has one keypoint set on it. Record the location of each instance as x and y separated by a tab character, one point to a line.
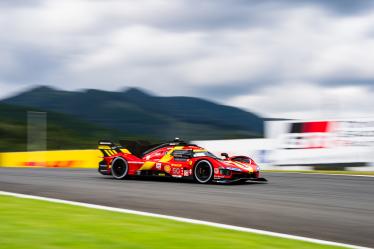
18	3
315	102
341	7
220	50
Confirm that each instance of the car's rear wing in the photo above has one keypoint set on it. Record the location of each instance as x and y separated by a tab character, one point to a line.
108	148
136	148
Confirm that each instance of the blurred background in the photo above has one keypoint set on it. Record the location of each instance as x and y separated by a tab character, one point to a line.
290	83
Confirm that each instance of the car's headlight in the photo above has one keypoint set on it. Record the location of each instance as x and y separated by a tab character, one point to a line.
258	168
234	169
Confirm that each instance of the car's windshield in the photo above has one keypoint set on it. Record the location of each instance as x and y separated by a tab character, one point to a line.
205	153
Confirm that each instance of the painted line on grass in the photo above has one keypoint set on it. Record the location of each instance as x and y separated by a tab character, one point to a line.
181	219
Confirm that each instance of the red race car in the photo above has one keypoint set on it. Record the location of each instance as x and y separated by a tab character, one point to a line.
174	159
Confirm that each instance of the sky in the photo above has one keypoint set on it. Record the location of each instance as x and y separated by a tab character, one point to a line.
278	58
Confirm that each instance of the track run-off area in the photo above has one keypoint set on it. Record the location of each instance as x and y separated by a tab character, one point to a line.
328	207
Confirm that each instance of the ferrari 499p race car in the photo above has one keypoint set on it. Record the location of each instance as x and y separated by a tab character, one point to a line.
174	159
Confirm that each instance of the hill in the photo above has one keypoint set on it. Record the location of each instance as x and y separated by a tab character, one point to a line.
140	114
64	131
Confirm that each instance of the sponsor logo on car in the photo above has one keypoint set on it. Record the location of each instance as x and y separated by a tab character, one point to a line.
176	164
186	173
167	169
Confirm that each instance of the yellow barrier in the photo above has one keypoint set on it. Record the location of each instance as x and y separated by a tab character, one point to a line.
54	159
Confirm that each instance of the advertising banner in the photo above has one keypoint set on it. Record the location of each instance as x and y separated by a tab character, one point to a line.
51	159
319	142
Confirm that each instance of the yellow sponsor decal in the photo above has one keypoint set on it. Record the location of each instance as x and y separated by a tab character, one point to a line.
167	169
147	165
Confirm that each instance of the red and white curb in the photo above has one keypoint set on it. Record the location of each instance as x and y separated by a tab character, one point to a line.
181	219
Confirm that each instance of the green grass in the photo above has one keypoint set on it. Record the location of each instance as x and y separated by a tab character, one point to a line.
340	172
26	223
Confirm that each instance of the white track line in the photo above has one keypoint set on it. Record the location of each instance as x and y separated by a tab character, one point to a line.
181	219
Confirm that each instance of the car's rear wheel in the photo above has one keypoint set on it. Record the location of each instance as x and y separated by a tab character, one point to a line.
120	168
203	171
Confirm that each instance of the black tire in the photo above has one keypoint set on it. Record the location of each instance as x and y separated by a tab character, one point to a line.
120	168
203	172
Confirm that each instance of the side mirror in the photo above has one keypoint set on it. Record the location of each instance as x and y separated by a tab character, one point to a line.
225	155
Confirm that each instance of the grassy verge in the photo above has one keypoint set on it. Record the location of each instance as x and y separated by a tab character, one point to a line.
38	224
370	173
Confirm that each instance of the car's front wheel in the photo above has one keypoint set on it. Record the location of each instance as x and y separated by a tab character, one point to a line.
120	168
203	171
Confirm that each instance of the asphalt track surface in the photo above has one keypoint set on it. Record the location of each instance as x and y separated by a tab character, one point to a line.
328	207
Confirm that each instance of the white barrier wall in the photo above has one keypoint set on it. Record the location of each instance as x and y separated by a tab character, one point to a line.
302	144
